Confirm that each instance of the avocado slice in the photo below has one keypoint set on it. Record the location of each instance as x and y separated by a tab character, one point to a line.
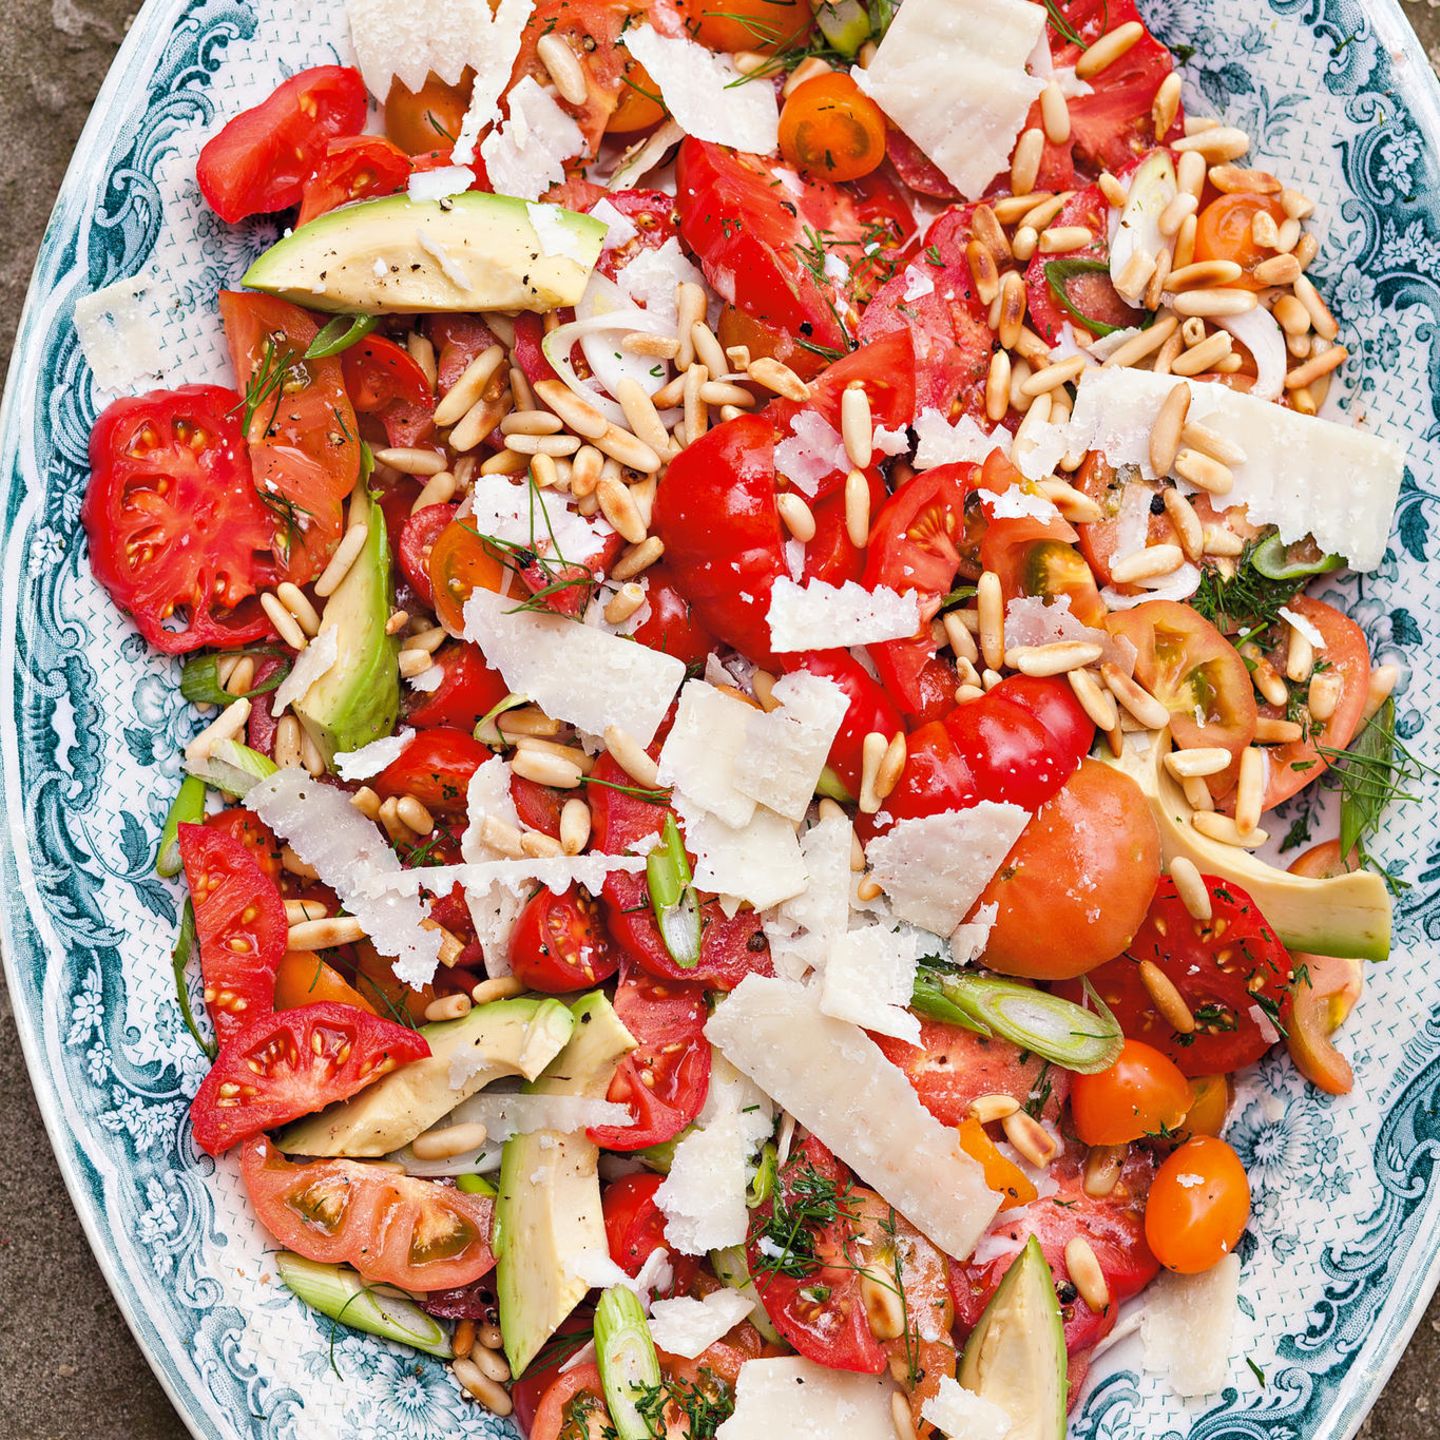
506	1037
1346	915
467	252
548	1211
1015	1356
358	699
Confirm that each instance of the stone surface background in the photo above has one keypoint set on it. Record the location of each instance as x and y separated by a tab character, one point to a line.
69	1369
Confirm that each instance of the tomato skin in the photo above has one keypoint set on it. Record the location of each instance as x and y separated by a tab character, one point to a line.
457	339
1099	539
173	519
829	127
761	25
468	690
353	167
253	833
1010	753
672	625
715	511
304	978
260	161
1038	558
1191	1227
559	943
383	379
300	1070
574	1405
376	1220
870	709
635	1227
435	767
1052	702
1141	1094
417	120
1077	885
304	444
240	921
936	777
421	530
1225	231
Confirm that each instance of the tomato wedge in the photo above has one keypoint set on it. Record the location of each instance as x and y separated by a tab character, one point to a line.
435	767
870	709
384	380
240	919
559	942
394	1229
293	1063
353	167
468	690
178	535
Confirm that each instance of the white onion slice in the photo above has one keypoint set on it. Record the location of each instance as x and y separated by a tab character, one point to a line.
637	163
1259	333
558	343
1180	584
1152	188
608	363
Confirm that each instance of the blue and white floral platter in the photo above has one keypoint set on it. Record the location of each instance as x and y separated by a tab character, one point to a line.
1344	1247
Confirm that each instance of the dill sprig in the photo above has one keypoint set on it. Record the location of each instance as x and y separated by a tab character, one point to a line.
1060	22
696	1407
804	1204
1247	600
650	797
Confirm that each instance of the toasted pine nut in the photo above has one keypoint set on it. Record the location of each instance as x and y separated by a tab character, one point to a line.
574	826
1062	239
857	508
1146	564
1276	732
1319	365
619	508
1383	679
638	558
960	640
983	271
546	769
1108	49
531	422
1204	472
1165	434
1055	114
1320	317
1058	658
1191	888
1034	1142
1190	174
1216	144
1174	214
987	1109
1012	309
1025	243
1166	105
1250	791
1008	209
900	1417
1299	656
1222	828
1096	703
298	911
857	429
1278	270
556	445
997	386
1287	240
493	1396
1203	356
324	934
1052	377
892	765
1222	541
537	845
1197	794
1204	273
1086	1274
1139	346
1323	695
1025	165
563	67
502	987
625	602
1202	760
1187	524
414	662
990	603
1102	1170
503	462
1217	302
448	1141
1134	698
579	415
872	752
225	726
780	379
631	756
797	516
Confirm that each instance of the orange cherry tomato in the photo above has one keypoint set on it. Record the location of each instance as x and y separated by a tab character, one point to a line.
303	978
639	106
1142	1093
460	563
761	25
830	129
1209	1105
1198	1207
1225	231
428	118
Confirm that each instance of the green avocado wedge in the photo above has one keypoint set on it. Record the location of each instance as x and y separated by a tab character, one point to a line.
464	253
1345	915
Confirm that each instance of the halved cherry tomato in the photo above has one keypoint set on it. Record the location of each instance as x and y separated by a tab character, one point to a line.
421	530
830	129
304	978
664	1080
830	555
635	1228
761	25
1099	539
241	924
1198	1207
559	942
1225	230
1193	671
460	563
282	1066
395	1229
1346	656
936	777
435	767
383	379
468	690
1081	277
573	1407
870	709
538	806
353	167
1014	757
253	833
1210	1097
812	1292
672	625
430	117
260	161
178	535
1038	558
1226	969
1141	1094
1077	885
304	441
528	1390
639	106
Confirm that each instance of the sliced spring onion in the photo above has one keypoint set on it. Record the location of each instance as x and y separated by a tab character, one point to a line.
1078	1039
487	732
762	1186
629	1366
672	897
475	1185
342	1294
188	808
1259	332
1059	274
659	1158
1276	560
732	1269
882	12
200	678
844	24
340	334
179	958
832	787
233	768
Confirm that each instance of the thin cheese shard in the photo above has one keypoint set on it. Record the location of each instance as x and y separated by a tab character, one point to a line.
688	1327
951	74
759	862
369	760
526	155
938	442
812	450
119	333
790	1398
573	672
703	748
705	93
314	662
785	750
837	1083
961	1414
1188	1325
395	40
1304	475
823	907
493	911
934	867
870	977
820	616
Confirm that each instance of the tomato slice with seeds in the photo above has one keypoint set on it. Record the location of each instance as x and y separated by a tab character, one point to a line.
282	1066
435	767
353	167
178	535
384	380
652	213
664	1080
259	840
672	624
240	919
1100	539
422	528
394	1229
559	942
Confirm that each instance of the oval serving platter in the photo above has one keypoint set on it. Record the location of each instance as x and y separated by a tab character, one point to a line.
1344	1247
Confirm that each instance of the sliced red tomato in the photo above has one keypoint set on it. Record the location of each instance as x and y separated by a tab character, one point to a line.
635	1229
422	528
1114	1225
811	1290
715	512
1231	971
652	213
304	440
435	767
260	841
952	1067
830	554
884	369
353	167
178	535
672	624
282	1066
457	339
915	168
261	160
559	942
664	1080
914	545
871	709
1100	539
241	924
538	806
573	1407
460	563
395	1229
468	690
384	380
528	1390
261	725
304	978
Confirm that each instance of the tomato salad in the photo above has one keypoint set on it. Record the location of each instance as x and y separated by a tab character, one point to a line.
745	662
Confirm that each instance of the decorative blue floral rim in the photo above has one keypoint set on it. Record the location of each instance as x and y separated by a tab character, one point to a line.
1344	1249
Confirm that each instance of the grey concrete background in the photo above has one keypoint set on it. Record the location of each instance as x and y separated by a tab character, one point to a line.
69	1369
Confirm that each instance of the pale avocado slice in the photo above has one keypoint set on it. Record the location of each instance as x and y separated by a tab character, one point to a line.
1345	915
468	252
507	1037
548	1212
1015	1357
358	698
